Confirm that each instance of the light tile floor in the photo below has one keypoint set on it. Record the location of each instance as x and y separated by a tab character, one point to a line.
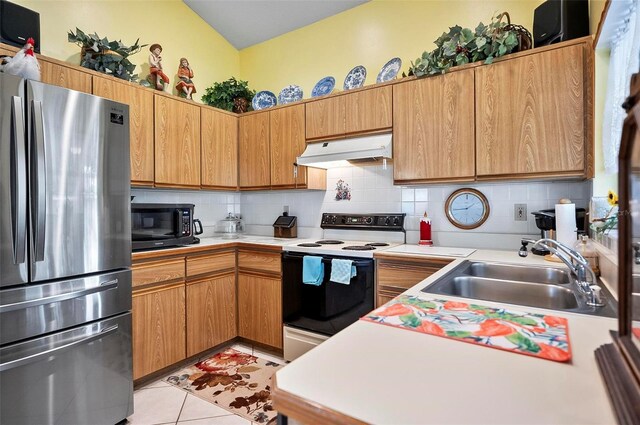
160	403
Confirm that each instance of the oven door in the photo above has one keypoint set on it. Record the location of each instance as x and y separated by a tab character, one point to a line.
329	307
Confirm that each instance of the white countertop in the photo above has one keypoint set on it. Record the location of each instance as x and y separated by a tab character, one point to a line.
387	375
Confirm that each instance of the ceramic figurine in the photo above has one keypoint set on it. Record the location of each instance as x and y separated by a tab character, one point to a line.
185	74
155	66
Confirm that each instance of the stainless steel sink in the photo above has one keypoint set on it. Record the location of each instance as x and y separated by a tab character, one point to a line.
543	287
520	273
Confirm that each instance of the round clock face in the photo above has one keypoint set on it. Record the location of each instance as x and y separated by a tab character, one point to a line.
467	208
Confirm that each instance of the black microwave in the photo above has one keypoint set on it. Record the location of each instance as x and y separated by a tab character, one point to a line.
161	225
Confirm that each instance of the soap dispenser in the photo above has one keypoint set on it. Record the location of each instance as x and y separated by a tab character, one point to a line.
587	249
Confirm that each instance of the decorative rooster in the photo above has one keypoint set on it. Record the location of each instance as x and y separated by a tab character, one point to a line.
24	64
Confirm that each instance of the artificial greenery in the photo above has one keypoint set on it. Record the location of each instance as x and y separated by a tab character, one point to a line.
102	55
222	95
462	45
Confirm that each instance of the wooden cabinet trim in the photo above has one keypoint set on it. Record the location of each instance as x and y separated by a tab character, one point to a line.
210	263
157	288
152	272
259	262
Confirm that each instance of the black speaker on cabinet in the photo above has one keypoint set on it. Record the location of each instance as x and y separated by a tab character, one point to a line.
560	20
17	24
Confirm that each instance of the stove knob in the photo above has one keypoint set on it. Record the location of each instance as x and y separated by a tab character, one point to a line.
344	220
368	220
396	221
387	221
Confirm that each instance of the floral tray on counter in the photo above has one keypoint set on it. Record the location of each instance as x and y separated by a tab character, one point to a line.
532	334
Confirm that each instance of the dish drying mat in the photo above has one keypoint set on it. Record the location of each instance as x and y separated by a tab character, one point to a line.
536	335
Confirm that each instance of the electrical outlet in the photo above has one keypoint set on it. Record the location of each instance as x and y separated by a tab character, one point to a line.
520	212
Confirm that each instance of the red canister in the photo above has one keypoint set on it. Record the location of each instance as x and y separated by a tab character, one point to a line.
425	230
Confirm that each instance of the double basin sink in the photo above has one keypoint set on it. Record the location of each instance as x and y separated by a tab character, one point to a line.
542	287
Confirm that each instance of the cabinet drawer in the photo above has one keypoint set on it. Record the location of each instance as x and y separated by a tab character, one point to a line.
259	261
158	271
211	263
405	275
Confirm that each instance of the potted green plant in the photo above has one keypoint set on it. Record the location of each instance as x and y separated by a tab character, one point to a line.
102	55
463	45
231	95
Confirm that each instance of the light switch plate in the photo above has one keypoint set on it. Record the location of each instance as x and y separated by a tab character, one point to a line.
520	212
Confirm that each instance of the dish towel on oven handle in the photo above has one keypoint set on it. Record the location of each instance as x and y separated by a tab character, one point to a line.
312	270
342	271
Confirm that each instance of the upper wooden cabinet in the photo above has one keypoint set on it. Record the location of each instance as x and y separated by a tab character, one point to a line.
254	153
177	143
325	117
140	103
433	129
533	115
219	150
57	73
368	110
63	76
287	143
363	111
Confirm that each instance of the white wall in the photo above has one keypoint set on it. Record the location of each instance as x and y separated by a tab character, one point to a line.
209	206
373	192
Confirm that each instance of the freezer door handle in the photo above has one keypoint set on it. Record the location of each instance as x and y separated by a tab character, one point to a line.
39	181
103	286
19	181
49	350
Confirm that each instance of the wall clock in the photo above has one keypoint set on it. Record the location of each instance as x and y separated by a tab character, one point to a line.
467	208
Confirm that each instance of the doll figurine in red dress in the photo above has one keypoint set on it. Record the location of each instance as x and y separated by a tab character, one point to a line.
185	74
155	66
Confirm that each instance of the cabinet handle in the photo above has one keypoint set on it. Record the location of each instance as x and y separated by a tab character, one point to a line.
295	170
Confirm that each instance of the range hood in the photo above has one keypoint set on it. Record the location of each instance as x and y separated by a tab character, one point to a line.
335	153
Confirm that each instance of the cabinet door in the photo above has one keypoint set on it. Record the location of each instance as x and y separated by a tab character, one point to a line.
368	110
62	76
530	115
219	150
58	75
140	103
211	313
433	129
254	164
177	143
325	118
260	308
287	143
158	329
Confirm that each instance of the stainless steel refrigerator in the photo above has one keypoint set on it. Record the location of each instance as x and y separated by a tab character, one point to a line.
65	257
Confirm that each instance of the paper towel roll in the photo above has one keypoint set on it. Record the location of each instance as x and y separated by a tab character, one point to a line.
566	224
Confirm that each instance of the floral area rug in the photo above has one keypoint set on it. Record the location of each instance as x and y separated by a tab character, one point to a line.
236	381
532	334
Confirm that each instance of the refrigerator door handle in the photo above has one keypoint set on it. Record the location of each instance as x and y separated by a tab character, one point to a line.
103	286
32	358
39	192
19	186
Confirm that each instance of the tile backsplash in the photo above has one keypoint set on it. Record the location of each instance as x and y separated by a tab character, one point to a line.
372	191
209	206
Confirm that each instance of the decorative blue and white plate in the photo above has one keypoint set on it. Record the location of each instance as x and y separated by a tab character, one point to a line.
355	78
264	99
290	94
389	70
323	87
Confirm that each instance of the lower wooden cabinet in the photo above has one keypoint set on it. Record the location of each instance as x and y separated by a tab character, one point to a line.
158	328
211	312
395	275
260	308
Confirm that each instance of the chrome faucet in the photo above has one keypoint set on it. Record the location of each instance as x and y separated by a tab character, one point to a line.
578	265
